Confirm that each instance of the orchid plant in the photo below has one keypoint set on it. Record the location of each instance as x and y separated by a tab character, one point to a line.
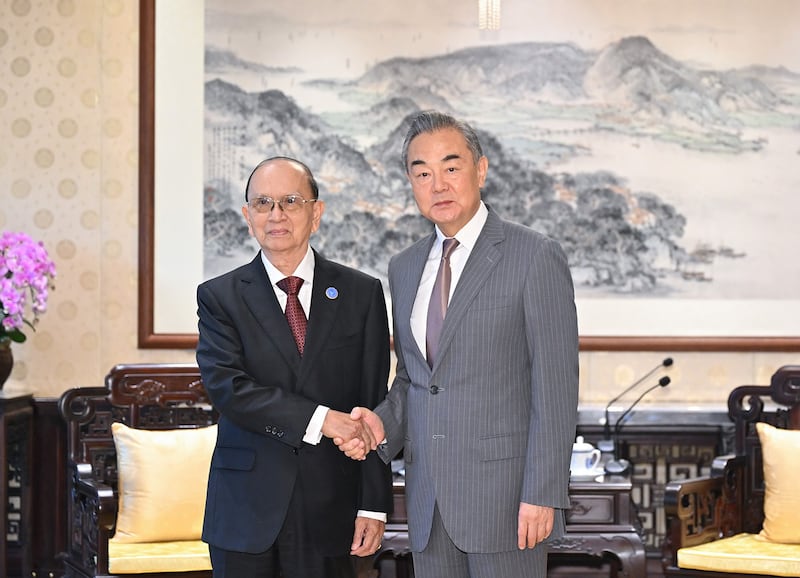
26	272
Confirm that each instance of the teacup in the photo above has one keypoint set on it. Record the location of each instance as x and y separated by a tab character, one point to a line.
585	458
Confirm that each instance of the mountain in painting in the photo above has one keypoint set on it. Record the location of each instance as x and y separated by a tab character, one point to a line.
619	239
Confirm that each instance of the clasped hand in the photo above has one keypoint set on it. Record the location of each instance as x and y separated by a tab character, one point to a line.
355	434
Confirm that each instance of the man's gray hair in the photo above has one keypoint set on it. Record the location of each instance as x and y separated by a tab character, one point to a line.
429	121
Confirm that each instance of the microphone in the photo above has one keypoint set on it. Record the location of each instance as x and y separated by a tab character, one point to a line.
607	427
620	466
663	382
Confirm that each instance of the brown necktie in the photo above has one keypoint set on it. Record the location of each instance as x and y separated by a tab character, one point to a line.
439	298
294	311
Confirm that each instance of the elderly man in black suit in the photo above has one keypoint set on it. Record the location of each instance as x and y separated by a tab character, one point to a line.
288	344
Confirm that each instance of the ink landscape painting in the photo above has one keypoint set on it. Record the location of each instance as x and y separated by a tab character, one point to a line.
658	142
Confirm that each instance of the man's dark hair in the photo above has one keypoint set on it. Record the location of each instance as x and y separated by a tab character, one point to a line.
312	182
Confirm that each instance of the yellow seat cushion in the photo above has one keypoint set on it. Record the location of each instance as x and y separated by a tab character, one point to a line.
162	482
185	556
743	554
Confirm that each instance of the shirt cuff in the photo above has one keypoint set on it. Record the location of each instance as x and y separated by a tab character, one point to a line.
380	516
314	428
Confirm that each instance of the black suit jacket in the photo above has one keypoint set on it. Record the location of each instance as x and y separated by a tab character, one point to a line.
266	395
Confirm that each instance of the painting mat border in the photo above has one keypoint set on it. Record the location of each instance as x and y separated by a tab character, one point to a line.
171	245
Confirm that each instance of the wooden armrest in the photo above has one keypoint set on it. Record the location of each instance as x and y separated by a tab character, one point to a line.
702	509
694	505
94	509
101	498
724	464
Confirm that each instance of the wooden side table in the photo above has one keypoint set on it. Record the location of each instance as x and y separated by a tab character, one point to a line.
16	451
602	531
602	525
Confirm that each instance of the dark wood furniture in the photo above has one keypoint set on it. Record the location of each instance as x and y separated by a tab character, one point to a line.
662	445
602	534
143	396
601	528
49	485
731	499
393	560
16	450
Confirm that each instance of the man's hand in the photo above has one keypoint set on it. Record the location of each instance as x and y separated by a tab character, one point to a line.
353	448
535	524
367	537
354	432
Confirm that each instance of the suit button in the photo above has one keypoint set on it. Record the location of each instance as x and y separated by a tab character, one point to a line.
435	389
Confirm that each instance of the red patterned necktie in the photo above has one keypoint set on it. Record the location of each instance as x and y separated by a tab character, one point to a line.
294	311
439	298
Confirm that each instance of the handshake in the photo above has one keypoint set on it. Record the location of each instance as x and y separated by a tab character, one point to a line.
355	433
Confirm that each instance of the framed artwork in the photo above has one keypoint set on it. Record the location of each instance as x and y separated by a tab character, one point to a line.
655	145
170	172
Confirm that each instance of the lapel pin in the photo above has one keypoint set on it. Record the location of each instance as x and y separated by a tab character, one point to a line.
331	293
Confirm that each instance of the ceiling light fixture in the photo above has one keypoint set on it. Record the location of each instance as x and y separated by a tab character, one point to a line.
489	14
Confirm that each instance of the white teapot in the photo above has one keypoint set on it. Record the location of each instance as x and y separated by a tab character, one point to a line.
585	458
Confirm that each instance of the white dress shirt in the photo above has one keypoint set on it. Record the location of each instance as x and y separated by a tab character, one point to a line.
305	270
466	237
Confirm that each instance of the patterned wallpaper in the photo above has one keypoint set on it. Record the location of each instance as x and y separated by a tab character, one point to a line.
68	177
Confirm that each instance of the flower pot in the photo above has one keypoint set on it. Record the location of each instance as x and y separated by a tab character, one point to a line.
6	362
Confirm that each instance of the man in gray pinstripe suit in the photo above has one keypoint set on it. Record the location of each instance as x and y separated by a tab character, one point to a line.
487	430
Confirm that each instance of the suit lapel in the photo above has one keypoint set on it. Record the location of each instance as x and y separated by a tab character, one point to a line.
407	286
324	306
259	297
482	260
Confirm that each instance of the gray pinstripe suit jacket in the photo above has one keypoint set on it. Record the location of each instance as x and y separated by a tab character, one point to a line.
500	427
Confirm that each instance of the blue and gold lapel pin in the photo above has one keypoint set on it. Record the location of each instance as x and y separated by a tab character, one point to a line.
331	293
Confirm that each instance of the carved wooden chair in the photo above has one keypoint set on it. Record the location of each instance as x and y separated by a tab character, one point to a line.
712	518
157	397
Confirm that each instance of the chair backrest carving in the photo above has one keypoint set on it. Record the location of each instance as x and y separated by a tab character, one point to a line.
777	404
143	396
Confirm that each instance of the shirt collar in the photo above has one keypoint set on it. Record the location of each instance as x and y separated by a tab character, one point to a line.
305	270
469	233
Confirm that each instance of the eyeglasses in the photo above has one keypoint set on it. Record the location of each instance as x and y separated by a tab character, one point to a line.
288	204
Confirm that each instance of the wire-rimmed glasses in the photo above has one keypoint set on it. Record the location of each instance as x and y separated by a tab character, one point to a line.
288	204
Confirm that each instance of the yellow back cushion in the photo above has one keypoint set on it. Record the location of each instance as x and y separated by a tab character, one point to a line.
162	482
781	454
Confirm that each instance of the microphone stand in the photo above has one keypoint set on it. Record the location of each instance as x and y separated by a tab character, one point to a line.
607	426
621	465
608	444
